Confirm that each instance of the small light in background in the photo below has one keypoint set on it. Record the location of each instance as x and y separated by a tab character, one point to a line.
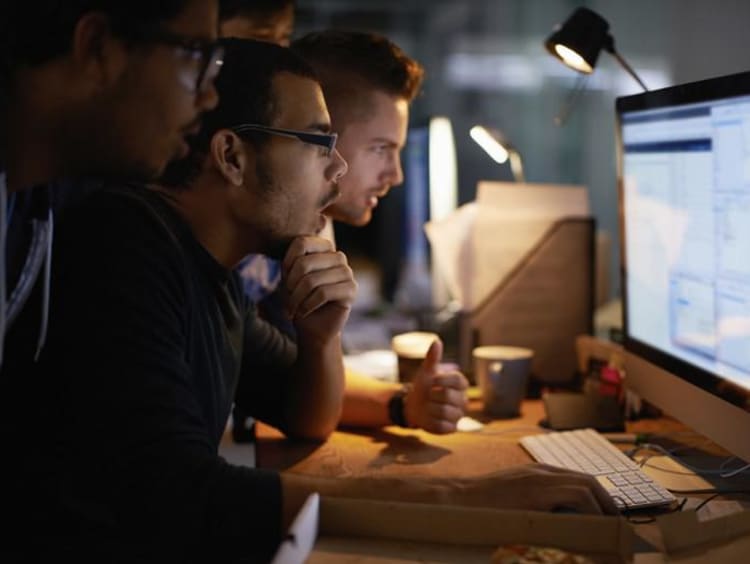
490	145
443	168
499	149
443	189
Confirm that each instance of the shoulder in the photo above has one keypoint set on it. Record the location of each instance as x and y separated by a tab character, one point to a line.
119	250
121	215
125	234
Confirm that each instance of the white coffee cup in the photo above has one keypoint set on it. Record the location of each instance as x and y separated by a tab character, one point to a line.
502	374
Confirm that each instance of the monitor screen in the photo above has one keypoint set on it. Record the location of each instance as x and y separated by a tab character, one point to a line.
684	180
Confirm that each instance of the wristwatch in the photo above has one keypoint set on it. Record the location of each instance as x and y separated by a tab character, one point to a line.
396	405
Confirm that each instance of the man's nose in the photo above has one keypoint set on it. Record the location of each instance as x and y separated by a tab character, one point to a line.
393	174
337	168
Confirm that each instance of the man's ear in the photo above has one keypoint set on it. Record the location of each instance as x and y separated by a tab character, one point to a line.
229	156
96	51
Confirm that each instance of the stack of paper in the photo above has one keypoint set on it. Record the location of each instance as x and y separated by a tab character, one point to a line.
477	246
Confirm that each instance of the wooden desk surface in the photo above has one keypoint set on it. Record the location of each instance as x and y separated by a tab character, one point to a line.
396	451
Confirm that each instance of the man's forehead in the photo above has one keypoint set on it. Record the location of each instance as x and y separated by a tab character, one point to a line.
385	121
298	101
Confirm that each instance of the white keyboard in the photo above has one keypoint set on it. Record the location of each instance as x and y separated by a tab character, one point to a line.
587	451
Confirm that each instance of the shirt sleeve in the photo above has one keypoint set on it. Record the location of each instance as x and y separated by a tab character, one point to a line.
137	455
267	361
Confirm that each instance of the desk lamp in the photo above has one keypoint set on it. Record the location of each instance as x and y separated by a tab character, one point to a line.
578	41
499	149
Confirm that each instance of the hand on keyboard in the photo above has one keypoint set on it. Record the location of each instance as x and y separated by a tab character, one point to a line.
587	451
538	487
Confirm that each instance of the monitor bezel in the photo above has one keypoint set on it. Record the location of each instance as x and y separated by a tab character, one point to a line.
717	88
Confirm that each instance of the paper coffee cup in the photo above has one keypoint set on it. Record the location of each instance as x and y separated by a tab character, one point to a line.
410	349
502	374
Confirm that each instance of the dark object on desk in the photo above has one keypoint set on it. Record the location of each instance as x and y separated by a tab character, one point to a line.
567	411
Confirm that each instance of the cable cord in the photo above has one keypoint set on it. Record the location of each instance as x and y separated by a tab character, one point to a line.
722	471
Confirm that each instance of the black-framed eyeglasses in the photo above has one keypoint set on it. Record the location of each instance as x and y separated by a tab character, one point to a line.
207	55
326	140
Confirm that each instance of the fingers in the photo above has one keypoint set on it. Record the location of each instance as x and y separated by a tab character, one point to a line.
429	367
314	274
453	380
302	246
438	398
319	288
449	396
440	427
431	361
313	262
445	412
595	492
603	498
443	407
341	294
578	498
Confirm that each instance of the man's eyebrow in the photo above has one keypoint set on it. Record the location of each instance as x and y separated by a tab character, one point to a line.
384	141
323	127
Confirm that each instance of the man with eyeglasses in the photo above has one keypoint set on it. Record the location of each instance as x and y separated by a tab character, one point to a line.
370	82
155	339
92	89
88	89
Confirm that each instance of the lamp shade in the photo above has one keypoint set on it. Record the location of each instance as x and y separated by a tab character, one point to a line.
578	41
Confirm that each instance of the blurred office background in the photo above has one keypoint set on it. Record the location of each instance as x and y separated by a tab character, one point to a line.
485	63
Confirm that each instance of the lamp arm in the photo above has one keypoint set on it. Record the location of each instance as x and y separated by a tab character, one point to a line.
609	47
516	165
628	69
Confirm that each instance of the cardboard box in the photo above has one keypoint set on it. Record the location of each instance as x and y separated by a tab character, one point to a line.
366	531
688	540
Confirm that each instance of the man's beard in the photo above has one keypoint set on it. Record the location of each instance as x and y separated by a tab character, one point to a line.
331	197
275	245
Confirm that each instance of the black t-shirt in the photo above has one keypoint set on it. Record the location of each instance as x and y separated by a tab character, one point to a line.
149	342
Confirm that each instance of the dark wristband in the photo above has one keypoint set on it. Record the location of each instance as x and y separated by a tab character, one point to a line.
396	405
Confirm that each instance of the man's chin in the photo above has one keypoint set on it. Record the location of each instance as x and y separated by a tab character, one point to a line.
355	218
361	220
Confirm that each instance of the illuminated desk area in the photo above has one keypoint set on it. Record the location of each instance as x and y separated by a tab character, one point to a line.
396	451
393	451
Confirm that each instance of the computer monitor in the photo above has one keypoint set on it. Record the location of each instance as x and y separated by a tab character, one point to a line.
684	184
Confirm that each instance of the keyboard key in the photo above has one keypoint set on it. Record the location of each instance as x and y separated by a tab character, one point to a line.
633	478
617	480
